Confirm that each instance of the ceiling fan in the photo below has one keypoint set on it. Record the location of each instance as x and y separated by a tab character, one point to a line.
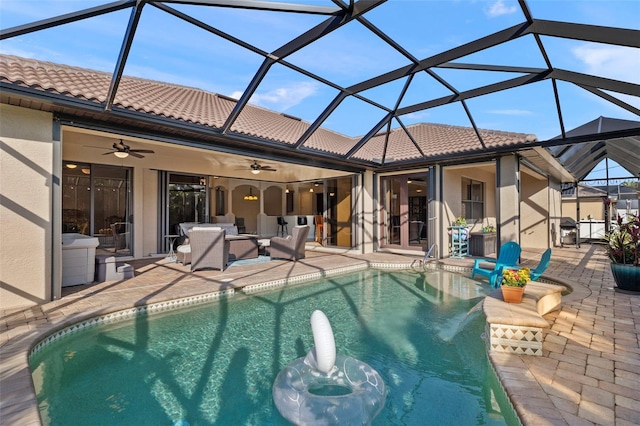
257	168
122	150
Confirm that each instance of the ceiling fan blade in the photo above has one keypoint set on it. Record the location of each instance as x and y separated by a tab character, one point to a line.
109	153
146	151
268	169
135	154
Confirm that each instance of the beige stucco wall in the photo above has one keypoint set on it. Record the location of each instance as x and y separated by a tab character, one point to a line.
366	209
555	212
509	199
26	164
452	197
452	192
534	207
149	202
588	206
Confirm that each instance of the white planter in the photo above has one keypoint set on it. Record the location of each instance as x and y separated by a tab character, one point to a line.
78	259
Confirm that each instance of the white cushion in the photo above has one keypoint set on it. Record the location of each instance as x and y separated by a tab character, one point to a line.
206	228
185	248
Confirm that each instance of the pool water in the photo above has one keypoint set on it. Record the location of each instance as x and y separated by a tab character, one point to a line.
215	364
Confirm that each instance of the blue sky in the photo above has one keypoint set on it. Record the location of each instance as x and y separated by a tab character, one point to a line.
168	49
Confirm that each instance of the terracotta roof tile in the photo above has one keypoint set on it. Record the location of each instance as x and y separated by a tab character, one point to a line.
200	107
436	140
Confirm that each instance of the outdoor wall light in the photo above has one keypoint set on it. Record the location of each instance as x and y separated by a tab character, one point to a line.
86	170
121	154
286	190
310	189
71	165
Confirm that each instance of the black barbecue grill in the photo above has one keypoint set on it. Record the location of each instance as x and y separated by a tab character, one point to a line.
569	232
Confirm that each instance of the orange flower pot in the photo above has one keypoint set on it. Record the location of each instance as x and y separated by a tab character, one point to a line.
512	294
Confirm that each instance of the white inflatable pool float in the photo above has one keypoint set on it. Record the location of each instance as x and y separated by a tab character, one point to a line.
328	389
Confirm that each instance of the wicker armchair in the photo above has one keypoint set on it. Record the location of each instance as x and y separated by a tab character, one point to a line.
209	248
292	247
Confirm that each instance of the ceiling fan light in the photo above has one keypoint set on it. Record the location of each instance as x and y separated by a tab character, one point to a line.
255	171
121	154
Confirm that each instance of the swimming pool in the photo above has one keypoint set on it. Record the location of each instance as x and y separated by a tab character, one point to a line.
215	363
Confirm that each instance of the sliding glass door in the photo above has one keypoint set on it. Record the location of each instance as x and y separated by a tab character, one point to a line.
404	216
338	226
187	200
97	201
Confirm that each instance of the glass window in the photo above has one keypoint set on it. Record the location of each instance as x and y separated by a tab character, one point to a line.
472	199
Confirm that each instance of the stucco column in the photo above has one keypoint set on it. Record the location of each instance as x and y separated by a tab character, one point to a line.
436	229
30	166
368	212
508	190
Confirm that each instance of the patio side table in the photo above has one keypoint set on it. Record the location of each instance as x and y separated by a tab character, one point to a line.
172	254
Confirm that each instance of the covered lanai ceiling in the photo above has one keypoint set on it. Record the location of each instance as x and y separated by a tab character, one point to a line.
363	78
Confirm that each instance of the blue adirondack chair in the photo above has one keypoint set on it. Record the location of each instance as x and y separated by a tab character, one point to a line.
508	257
542	266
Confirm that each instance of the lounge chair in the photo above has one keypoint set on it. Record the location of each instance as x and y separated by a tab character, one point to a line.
508	257
542	265
209	248
291	247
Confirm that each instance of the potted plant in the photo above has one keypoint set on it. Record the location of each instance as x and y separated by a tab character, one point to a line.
513	283
623	248
488	228
460	221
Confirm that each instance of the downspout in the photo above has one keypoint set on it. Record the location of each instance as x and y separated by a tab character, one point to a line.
519	192
56	210
577	214
441	212
497	207
376	212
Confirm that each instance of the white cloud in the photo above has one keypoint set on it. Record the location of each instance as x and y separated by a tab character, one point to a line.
499	8
283	98
519	112
417	116
617	62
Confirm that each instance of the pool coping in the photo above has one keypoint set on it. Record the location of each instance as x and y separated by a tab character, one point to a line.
200	299
19	404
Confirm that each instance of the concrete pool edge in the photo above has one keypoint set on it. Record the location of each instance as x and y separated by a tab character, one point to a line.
507	408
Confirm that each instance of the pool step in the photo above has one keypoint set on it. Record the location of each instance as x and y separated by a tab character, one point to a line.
109	269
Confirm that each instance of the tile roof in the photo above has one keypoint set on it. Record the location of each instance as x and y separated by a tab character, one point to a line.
192	105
